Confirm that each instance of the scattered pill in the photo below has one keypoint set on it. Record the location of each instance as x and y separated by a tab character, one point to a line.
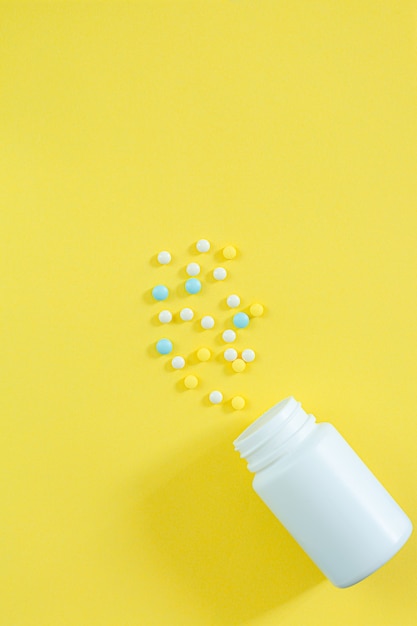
229	336
164	346
193	269
256	310
164	257
216	397
207	322
160	292
192	285
233	301
248	355
230	354
191	381
165	317
203	354
203	245
238	403
229	252
186	314
240	320
238	365
178	362
219	273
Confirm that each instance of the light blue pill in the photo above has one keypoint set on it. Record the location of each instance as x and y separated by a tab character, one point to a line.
164	346
160	292
240	320
193	285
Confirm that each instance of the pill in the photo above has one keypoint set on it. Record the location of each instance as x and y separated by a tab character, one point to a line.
229	252
193	269
191	381
230	354
216	397
164	346
207	322
233	301
238	365
186	314
192	285
165	317
203	354
238	403
164	257
256	310
229	336
248	355
178	362
203	245
219	273
240	320
160	292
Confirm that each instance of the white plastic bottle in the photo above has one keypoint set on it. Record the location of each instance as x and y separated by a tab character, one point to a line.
323	493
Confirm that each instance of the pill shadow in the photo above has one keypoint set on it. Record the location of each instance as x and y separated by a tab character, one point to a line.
210	533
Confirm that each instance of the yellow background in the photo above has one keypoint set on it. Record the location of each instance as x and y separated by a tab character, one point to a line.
286	128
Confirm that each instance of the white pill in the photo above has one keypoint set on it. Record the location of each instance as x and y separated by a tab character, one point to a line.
203	245
207	322
248	355
165	317
193	269
229	336
230	354
233	301
216	397
178	362
164	257
219	273
186	314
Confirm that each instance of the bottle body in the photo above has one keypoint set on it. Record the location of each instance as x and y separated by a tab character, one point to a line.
327	498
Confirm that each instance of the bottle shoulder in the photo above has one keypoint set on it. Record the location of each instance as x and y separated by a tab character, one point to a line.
308	448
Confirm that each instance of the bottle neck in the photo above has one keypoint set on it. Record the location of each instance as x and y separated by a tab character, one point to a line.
274	434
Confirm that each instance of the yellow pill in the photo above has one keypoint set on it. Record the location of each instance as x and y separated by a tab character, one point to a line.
229	252
238	365
191	381
256	310
203	354
238	403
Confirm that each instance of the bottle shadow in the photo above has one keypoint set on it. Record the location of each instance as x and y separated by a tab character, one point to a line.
208	528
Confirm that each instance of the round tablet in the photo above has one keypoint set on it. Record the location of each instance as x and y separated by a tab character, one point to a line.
219	273
240	320
230	354
165	317
203	354
164	346
178	362
233	301
256	310
229	252
238	403
164	257
216	397
160	292
229	336
191	381
192	285
207	322
193	269
203	245
186	314
238	365
248	355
